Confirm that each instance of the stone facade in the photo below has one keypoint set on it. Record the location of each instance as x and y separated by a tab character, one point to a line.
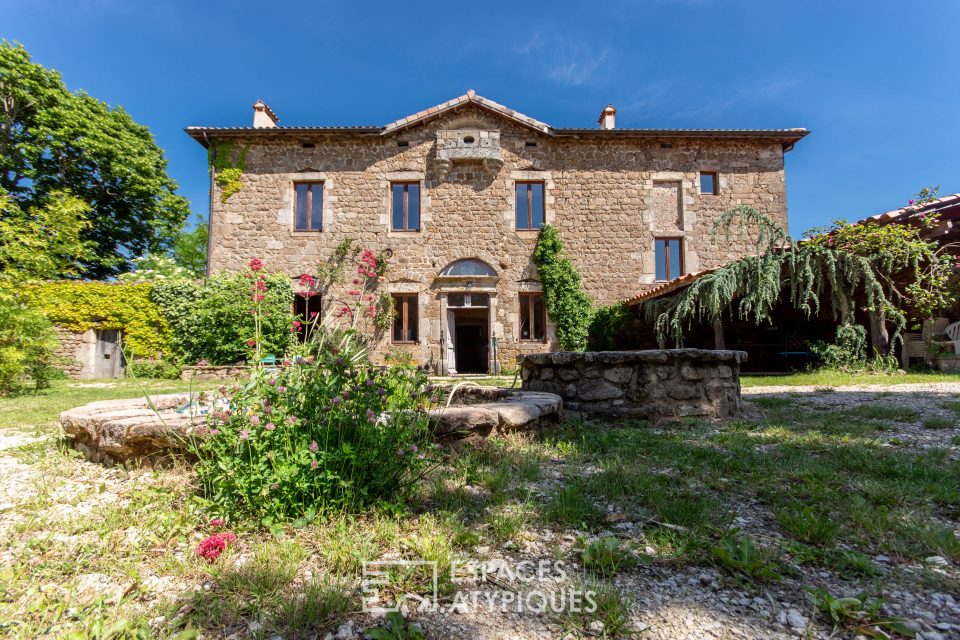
608	192
656	384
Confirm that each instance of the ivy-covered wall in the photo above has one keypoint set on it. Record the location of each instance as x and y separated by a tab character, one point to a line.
79	306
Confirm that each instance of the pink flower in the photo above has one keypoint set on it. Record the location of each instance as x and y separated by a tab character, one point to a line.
314	447
214	545
273	382
269	426
256	264
254	420
400	452
911	202
353	292
217	523
244	434
291	419
281	389
413	448
307	281
371	416
314	464
251	343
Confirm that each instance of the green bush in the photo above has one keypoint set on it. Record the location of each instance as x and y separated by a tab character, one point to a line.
28	343
212	319
611	328
326	431
153	369
849	350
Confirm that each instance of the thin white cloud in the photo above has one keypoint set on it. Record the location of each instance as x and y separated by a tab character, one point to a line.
566	61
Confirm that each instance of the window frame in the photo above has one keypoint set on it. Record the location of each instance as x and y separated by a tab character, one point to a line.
401	305
406	205
716	183
666	256
531	297
310	183
543	203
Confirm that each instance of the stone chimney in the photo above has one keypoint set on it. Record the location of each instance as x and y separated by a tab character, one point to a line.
263	116
607	118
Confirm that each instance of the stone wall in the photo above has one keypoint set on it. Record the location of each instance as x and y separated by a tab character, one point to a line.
608	197
215	372
68	354
656	384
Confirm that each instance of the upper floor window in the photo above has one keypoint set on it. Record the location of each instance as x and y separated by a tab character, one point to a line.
668	253
308	206
533	317
405	314
406	206
529	205
709	183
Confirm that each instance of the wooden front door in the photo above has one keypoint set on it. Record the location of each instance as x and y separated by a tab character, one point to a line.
108	358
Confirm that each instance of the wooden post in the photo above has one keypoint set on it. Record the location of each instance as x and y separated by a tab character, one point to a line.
718	341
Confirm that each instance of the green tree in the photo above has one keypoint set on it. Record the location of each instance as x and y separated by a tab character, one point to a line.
190	250
54	140
44	242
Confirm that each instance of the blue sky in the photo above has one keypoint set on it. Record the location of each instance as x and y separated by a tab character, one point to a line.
876	82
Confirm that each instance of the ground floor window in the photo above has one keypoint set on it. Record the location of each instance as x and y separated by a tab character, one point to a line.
668	254
405	317
533	317
307	310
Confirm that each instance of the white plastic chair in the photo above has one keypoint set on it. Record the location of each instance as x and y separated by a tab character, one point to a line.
934	327
953	332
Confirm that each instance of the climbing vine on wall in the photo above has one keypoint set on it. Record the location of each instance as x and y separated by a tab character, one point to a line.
80	306
567	303
227	163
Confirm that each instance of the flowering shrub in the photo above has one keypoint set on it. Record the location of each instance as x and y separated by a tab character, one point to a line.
323	429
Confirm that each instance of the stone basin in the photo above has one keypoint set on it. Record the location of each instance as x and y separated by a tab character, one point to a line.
131	431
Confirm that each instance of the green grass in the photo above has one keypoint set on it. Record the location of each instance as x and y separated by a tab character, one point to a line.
840	379
39	412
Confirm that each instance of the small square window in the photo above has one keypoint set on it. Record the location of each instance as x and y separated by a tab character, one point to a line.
668	253
405	314
533	317
709	183
530	205
405	212
308	206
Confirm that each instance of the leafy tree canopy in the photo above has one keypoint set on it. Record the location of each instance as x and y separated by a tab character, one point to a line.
53	140
190	250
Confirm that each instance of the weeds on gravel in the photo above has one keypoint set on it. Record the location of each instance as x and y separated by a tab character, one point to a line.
571	506
609	619
858	614
740	556
937	422
606	556
806	525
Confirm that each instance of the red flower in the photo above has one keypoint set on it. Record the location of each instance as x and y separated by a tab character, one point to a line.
307	281
211	548
251	343
217	523
256	264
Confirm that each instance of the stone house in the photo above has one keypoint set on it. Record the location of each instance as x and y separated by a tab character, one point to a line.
456	194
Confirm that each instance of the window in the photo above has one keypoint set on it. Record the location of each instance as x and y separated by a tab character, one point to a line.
468	267
529	205
405	317
709	183
468	300
406	206
669	257
533	317
308	206
307	309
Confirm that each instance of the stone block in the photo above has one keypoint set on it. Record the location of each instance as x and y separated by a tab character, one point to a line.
618	375
683	392
595	390
688	372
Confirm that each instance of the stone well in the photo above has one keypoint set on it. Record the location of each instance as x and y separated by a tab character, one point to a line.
655	384
130	431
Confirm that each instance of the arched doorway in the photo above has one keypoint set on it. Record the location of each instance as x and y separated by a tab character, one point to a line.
468	289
